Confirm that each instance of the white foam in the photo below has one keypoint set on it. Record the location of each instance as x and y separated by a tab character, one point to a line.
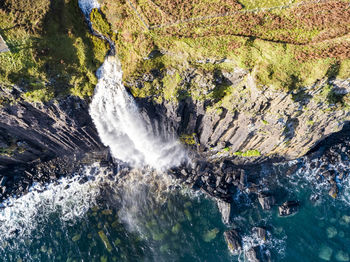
271	243
87	5
67	197
120	126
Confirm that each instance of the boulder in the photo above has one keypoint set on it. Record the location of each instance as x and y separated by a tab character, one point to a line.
266	201
333	192
288	208
234	241
257	254
225	210
252	255
260	233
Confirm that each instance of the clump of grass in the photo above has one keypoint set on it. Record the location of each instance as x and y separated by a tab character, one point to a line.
188	139
248	153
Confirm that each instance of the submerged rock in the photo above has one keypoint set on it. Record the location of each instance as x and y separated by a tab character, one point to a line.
210	235
331	232
288	208
266	201
325	253
225	210
233	240
342	256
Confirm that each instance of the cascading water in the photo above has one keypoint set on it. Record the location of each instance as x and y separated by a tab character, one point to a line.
119	123
120	126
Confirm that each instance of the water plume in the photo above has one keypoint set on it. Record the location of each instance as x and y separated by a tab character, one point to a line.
120	126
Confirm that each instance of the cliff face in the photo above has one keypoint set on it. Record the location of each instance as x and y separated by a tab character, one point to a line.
33	131
252	123
268	109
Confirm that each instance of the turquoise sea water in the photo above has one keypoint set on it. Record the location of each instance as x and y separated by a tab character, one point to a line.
96	221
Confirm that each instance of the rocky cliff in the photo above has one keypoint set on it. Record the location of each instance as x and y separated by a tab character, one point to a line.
32	131
251	123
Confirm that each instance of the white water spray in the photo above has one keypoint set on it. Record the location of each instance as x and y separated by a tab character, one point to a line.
120	126
118	120
86	6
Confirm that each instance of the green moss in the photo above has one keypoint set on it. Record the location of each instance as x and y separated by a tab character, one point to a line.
171	86
100	24
248	153
188	139
344	69
12	149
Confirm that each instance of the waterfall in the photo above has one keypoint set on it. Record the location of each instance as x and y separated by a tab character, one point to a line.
118	122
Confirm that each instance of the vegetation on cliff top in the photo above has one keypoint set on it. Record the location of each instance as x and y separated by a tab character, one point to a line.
52	51
287	47
286	44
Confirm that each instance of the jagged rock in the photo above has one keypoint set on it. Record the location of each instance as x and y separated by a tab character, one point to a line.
225	210
243	178
333	192
252	255
233	240
288	208
3	180
48	130
264	119
266	201
260	232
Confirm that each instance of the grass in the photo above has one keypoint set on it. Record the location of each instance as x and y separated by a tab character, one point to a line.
252	4
248	153
53	57
285	49
267	43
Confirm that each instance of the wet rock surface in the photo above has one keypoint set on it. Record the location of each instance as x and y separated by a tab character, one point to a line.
266	201
234	241
260	233
288	208
225	210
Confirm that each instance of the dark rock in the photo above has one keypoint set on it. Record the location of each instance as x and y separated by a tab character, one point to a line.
242	178
333	192
314	198
233	240
228	179
225	210
266	201
257	254
260	232
252	255
288	208
3	180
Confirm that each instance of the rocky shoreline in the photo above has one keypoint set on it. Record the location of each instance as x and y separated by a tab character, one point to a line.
59	140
